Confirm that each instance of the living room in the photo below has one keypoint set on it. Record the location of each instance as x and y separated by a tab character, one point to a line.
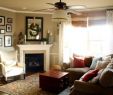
16	19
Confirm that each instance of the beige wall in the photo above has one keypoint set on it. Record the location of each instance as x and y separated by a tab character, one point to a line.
7	14
18	26
7	52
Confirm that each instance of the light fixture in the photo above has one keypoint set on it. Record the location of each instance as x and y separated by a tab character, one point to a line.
60	16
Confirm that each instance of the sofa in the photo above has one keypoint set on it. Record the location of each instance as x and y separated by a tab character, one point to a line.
76	72
97	81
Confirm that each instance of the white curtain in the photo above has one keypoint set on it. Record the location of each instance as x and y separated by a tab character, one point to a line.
61	43
109	19
62	28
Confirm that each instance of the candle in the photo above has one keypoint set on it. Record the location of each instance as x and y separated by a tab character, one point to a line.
25	39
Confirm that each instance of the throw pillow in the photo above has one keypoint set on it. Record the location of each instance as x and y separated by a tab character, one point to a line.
89	75
106	58
94	62
78	62
111	60
101	64
96	78
110	65
106	78
98	65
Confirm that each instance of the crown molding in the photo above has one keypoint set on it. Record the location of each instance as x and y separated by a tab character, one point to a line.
7	9
15	11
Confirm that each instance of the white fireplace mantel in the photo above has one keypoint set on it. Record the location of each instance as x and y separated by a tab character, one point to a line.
35	48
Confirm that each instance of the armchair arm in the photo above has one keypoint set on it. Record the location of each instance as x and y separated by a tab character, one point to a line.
3	68
20	64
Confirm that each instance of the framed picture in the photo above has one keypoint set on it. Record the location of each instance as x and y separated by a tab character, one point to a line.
34	28
2	20
8	27
7	40
9	20
2	31
0	41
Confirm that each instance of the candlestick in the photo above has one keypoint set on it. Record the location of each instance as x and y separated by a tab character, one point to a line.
25	38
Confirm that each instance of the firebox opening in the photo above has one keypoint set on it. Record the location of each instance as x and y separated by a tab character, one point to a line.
34	62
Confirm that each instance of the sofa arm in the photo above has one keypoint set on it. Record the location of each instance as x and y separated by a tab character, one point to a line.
87	87
65	66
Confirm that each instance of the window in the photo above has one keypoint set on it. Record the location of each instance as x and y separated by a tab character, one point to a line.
93	40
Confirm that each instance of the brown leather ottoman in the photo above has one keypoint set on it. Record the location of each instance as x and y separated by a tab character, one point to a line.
54	81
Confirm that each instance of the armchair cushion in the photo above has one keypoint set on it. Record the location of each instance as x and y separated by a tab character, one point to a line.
12	68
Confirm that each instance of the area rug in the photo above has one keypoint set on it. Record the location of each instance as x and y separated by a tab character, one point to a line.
29	86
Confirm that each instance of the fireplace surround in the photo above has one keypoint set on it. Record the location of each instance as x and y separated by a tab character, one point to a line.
34	62
34	49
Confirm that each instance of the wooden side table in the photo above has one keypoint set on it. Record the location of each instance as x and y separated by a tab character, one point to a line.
54	81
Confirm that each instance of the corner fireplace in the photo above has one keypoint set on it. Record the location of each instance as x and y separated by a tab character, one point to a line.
34	62
35	49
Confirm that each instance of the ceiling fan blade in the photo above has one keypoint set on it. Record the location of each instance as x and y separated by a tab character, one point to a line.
48	9
50	4
74	12
77	7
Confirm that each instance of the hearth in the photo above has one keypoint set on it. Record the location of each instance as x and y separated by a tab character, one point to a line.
34	62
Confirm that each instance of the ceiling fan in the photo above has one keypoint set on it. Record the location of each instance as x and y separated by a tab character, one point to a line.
63	6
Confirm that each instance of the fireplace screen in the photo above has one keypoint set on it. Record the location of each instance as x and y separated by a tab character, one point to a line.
34	62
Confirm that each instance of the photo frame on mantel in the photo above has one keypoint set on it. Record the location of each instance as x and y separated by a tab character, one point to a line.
34	28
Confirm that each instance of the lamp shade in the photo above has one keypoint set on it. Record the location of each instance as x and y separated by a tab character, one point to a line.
60	16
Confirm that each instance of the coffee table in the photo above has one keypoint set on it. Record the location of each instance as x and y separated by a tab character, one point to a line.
54	81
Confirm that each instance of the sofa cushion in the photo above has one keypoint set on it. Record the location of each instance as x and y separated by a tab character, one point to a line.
94	62
89	75
106	78
87	88
78	70
88	61
76	73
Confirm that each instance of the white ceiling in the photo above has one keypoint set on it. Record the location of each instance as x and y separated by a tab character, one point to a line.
31	5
